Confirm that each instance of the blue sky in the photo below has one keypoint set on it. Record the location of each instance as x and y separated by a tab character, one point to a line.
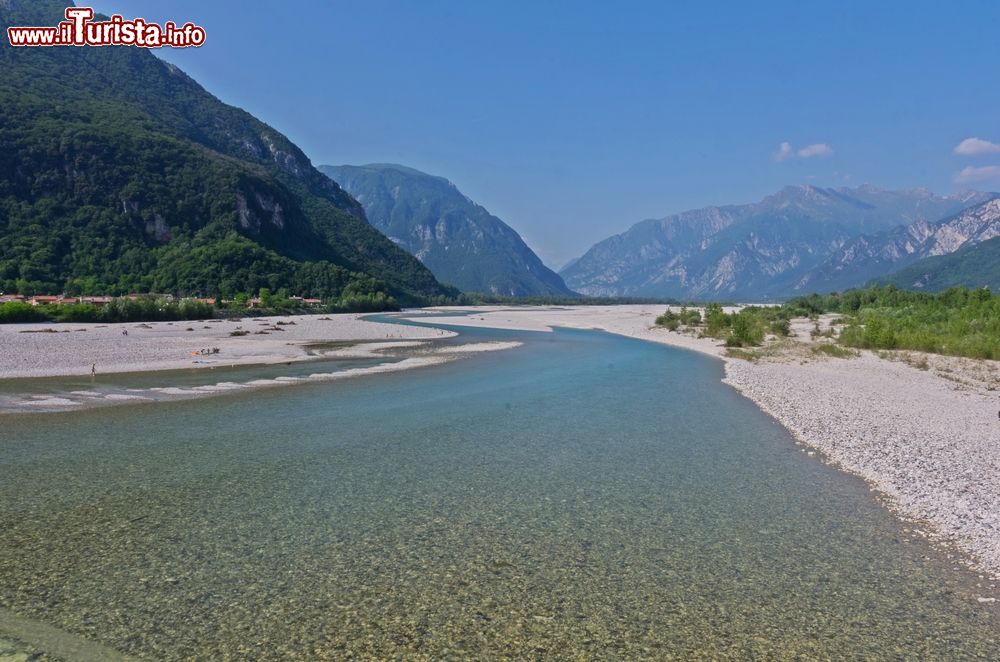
573	120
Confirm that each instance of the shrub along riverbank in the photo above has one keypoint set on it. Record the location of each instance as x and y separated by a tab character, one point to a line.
956	322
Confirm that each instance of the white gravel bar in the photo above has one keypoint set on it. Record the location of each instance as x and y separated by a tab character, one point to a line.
46	349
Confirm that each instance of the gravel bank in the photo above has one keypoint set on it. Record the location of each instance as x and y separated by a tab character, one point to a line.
46	349
933	450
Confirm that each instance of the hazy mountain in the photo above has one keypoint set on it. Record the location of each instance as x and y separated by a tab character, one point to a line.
973	266
119	172
941	254
459	241
754	251
871	256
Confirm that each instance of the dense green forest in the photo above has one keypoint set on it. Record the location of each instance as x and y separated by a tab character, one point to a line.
957	322
121	174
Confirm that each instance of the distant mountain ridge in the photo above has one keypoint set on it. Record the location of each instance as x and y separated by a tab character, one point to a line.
871	256
976	262
761	250
458	240
972	267
121	173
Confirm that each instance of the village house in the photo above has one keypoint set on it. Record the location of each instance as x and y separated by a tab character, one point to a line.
51	299
96	301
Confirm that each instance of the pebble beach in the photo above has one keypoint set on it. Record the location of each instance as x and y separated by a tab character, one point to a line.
47	349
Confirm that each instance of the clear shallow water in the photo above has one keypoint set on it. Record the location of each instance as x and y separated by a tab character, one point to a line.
584	495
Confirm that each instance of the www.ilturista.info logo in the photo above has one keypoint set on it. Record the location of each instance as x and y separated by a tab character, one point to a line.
80	30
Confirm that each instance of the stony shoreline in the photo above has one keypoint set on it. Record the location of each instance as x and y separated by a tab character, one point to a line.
933	451
927	438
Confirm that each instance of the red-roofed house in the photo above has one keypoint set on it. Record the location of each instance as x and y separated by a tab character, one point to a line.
96	301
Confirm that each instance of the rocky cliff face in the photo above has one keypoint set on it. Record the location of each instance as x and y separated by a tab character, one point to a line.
459	241
872	256
973	266
755	251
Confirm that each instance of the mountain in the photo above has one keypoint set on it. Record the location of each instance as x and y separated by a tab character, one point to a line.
754	251
120	173
872	256
974	266
459	241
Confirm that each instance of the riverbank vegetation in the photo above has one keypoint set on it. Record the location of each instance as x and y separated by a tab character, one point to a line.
154	308
747	327
117	310
956	322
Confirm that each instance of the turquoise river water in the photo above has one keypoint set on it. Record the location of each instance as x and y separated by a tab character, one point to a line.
584	496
